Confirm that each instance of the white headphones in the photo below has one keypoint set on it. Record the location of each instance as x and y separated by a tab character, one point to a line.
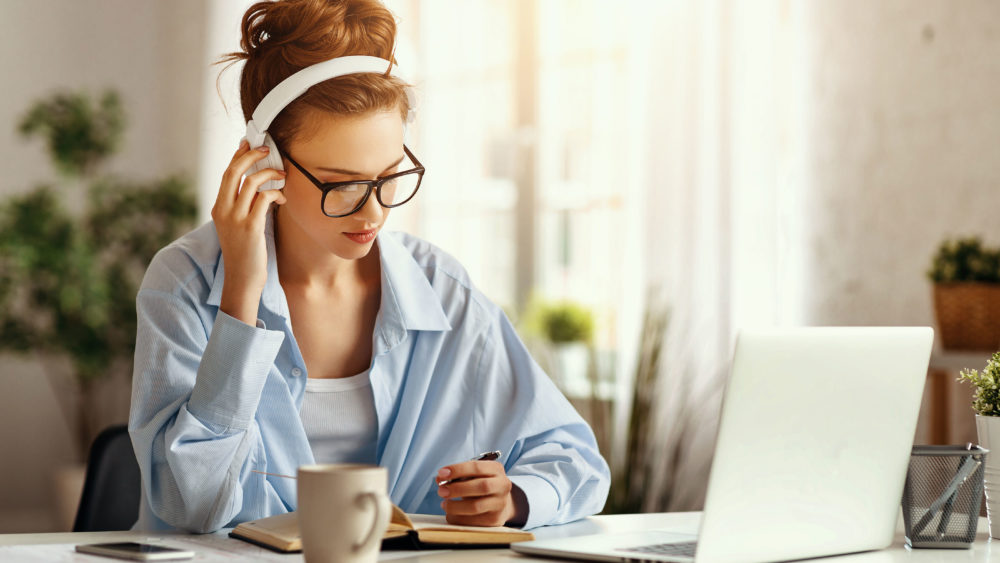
294	86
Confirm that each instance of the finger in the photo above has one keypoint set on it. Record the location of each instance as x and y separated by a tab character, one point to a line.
470	469
228	187
231	178
474	506
250	184
478	487
244	147
262	203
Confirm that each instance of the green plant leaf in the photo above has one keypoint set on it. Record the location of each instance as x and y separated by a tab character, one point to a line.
78	133
965	260
560	322
986	384
68	280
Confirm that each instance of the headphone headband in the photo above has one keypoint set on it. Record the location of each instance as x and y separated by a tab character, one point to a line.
295	85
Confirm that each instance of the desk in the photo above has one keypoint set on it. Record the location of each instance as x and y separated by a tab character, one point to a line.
218	547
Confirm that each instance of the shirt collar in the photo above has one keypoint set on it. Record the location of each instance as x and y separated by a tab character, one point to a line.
408	300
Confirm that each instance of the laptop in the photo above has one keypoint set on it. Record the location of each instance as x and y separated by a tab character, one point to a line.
811	456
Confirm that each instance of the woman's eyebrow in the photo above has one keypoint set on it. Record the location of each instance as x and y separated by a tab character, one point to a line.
355	172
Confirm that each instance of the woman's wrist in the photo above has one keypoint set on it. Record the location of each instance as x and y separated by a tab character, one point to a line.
240	303
520	506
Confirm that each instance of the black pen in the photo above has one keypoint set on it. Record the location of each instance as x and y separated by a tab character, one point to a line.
485	456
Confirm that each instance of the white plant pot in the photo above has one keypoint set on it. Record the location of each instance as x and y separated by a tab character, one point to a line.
988	429
572	360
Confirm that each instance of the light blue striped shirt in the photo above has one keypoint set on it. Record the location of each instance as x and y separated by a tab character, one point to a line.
214	399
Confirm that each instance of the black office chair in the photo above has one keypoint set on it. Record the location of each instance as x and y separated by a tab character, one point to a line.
110	499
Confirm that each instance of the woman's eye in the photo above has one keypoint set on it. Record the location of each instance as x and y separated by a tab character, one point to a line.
349	188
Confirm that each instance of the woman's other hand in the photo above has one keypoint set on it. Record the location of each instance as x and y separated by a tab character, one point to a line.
240	213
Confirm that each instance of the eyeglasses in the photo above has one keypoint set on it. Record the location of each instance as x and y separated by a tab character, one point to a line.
341	199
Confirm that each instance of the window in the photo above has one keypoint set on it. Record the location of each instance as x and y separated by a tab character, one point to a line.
531	126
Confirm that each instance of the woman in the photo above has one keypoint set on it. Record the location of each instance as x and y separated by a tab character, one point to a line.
292	329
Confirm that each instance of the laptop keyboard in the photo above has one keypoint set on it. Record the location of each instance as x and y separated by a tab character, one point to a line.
680	548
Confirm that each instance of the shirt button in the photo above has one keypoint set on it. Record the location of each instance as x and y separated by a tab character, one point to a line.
296	372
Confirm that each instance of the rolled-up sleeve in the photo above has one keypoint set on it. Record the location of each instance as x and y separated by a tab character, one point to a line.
195	392
232	372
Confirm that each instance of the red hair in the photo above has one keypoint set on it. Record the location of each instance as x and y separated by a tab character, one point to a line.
282	37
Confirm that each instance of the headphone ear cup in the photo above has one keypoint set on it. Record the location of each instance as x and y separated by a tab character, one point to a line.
272	160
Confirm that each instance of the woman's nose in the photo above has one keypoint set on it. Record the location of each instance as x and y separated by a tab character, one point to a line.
371	211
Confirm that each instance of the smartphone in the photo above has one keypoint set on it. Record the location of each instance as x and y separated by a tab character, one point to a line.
135	551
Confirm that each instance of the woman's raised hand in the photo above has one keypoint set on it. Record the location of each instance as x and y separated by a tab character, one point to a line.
240	213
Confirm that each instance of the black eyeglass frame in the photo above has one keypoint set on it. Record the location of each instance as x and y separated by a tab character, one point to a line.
372	185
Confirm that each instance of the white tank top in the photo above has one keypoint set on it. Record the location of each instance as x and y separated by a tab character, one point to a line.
339	419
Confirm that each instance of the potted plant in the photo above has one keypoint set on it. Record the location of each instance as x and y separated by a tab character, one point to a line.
966	277
986	404
565	331
72	257
567	322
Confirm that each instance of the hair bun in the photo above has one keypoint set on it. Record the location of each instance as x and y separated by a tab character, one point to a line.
279	38
310	31
265	24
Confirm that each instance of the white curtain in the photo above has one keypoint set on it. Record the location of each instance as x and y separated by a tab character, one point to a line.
718	218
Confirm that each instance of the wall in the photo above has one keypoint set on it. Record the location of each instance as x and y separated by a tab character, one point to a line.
903	134
152	53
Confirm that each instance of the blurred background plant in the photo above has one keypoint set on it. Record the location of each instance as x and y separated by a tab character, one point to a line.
560	335
965	260
632	469
562	322
72	255
966	289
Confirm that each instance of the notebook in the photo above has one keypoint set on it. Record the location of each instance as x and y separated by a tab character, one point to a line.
409	531
811	455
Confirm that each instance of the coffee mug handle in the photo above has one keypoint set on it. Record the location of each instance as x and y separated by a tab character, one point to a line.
378	518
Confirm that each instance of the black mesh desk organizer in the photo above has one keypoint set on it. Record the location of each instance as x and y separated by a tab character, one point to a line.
942	495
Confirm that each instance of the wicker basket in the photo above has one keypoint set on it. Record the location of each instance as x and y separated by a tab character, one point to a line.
968	315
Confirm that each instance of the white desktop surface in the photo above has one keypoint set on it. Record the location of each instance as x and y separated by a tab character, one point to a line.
218	547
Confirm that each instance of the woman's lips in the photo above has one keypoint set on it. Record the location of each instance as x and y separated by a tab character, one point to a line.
362	237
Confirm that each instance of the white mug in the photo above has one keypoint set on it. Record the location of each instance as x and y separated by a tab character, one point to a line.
343	512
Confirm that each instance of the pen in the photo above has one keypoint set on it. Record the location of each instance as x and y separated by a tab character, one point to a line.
485	456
